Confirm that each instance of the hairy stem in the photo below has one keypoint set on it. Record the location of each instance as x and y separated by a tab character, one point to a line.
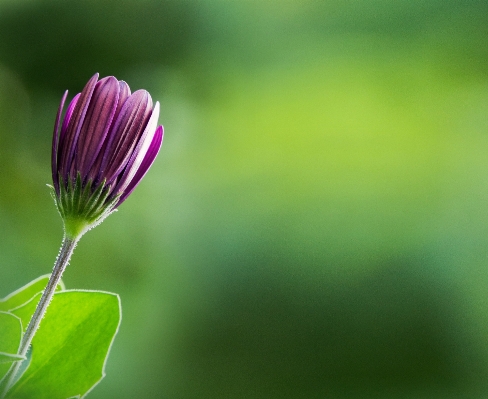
62	261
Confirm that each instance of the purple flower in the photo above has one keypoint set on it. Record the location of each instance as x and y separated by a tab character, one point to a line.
108	140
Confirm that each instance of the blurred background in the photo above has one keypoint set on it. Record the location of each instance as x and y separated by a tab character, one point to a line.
316	224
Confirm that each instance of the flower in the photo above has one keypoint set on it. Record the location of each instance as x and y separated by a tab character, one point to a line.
108	140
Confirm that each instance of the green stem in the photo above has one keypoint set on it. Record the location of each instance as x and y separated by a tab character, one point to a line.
62	261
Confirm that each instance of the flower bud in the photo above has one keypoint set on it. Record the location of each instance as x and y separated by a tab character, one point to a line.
107	141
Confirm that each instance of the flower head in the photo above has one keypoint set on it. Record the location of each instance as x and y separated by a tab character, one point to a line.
107	141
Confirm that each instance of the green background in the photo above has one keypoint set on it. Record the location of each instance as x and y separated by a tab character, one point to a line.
316	224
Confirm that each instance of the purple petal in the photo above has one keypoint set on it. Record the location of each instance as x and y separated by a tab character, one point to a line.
124	135
74	126
96	124
54	149
146	163
123	96
139	152
67	117
124	93
62	134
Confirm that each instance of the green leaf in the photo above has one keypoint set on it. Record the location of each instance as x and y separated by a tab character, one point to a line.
10	336
70	349
26	293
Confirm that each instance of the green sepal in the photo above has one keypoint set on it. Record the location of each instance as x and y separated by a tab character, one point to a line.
85	195
55	198
80	207
69	194
99	206
63	197
93	201
77	193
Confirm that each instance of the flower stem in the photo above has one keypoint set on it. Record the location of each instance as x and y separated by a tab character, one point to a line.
62	261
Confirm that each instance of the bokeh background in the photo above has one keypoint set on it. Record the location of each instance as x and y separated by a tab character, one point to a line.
316	225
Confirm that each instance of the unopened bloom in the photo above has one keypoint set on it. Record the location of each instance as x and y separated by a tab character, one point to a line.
104	146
